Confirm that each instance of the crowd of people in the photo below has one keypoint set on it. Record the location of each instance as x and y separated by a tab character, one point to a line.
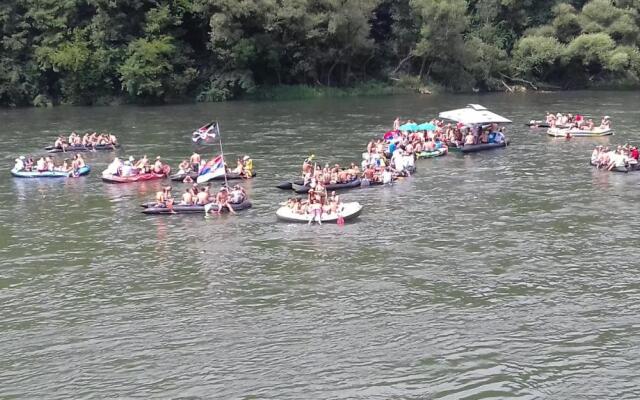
313	174
442	136
131	167
47	164
622	157
316	204
576	122
225	198
90	140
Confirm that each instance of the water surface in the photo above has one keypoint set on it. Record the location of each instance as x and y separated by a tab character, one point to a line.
504	274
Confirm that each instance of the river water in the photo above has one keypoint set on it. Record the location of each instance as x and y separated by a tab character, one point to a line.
504	274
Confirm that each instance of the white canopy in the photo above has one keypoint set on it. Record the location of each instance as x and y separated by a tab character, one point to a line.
474	114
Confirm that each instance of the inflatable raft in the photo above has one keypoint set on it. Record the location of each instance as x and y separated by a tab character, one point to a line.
537	124
301	189
109	178
557	132
150	208
51	174
432	154
349	211
615	169
287	185
100	147
219	177
474	148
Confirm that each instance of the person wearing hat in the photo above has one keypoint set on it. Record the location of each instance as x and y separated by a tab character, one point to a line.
248	167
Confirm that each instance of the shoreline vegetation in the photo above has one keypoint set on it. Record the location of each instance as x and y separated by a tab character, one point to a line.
95	52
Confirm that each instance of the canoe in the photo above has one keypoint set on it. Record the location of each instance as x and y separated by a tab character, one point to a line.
214	177
135	178
301	189
473	148
151	209
100	147
350	211
432	154
286	185
50	174
555	132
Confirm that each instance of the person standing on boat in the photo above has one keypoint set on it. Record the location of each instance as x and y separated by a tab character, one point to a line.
396	124
499	138
248	167
195	162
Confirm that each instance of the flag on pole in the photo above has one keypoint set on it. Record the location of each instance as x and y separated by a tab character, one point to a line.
212	165
210	130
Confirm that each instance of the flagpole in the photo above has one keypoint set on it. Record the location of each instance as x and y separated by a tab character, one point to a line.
226	183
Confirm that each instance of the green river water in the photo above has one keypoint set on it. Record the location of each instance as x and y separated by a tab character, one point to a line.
503	274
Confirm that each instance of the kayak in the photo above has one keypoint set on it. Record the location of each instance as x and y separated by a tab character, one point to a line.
135	178
150	208
50	174
212	176
99	147
286	185
556	132
432	154
349	211
300	189
473	148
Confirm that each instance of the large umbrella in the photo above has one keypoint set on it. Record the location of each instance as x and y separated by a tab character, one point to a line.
474	114
411	126
427	126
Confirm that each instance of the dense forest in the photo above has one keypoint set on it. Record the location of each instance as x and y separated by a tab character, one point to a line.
153	51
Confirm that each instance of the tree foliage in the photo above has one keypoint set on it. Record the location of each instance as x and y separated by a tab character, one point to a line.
85	51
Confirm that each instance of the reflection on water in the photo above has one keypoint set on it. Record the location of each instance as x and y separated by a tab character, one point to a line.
499	274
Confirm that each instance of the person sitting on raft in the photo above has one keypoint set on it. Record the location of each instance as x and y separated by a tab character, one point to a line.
239	167
221	200
114	168
184	167
142	165
237	195
61	143
20	163
469	139
605	124
126	169
158	168
164	196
